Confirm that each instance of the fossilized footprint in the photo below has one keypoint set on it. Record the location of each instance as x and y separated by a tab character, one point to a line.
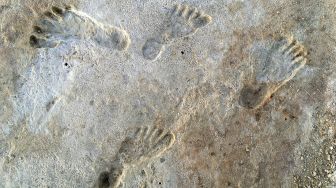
184	21
145	144
60	24
284	60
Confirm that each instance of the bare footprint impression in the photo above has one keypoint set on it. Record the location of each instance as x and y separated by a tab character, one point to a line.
184	21
286	57
145	144
60	24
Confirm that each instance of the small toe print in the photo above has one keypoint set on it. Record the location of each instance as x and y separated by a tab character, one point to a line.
164	142
287	48
47	25
51	15
37	29
145	132
137	132
299	60
57	10
34	41
202	21
159	133
197	15
176	9
183	11
156	134
191	13
300	52
293	49
68	7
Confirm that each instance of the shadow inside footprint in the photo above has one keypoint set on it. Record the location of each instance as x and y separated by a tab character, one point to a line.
112	178
41	42
103	180
252	97
46	28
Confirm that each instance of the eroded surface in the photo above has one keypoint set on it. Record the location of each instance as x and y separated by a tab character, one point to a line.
231	93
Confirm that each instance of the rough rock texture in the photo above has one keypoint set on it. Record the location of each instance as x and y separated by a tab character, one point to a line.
203	93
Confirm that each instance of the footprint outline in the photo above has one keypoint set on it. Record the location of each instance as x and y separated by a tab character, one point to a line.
184	21
58	24
286	57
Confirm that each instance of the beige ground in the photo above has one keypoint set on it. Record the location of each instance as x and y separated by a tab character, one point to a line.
69	113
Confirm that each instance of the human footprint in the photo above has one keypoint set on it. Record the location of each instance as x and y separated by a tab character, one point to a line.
286	57
60	24
184	21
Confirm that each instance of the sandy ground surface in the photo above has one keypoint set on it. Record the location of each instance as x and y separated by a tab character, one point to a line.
160	93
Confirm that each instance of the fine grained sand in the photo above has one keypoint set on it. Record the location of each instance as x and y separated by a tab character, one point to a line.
206	93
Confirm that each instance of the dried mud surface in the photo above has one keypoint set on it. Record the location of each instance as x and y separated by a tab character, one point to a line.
205	93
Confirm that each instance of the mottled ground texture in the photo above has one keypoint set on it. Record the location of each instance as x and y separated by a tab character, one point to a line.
162	93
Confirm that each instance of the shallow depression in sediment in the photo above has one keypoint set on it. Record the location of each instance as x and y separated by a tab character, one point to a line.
167	93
